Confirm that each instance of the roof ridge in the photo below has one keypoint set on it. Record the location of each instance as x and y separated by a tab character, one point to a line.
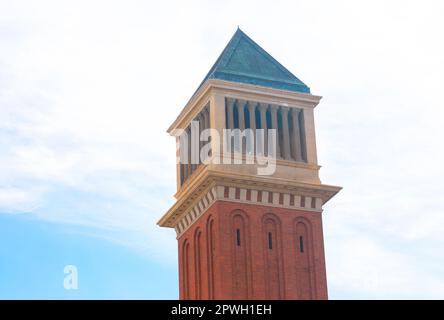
249	63
267	55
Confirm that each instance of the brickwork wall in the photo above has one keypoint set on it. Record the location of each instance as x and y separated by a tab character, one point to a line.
249	251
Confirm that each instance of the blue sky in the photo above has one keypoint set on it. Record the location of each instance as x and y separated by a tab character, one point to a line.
88	89
33	268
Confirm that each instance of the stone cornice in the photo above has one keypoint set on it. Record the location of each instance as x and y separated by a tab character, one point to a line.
245	196
244	91
197	174
208	179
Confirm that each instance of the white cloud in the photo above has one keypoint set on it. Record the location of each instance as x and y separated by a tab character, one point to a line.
14	200
368	268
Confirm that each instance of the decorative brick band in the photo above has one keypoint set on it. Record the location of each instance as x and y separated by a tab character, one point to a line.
204	202
242	195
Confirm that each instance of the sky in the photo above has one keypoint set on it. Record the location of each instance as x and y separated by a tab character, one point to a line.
88	89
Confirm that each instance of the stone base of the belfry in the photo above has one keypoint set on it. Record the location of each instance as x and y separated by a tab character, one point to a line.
236	250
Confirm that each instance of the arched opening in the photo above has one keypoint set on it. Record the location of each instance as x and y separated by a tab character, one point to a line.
197	264
210	256
242	286
304	258
240	269
185	270
273	257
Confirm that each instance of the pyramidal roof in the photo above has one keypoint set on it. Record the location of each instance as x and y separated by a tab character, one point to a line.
244	61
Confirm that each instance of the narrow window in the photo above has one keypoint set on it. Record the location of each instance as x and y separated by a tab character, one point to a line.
226	192
313	202
268	119
247	118
236	115
301	244
270	241
238	237
291	199
257	114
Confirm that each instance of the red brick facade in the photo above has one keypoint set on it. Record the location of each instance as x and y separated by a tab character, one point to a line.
248	251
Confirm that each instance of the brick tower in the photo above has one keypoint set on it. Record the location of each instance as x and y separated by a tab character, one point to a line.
243	232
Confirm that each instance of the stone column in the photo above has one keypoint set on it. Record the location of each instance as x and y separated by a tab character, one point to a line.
207	118
218	109
286	133
274	125
241	113
182	155
195	143
231	104
296	136
206	115
201	118
189	167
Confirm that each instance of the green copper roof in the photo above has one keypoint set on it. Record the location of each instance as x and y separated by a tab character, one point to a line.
245	61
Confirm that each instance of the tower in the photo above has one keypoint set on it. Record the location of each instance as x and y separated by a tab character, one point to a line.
248	216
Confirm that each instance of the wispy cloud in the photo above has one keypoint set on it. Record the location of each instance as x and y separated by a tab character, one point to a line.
82	138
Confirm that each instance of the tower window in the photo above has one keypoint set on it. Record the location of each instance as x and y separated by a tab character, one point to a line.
301	244
268	119
313	202
270	241
247	118
238	243
257	114
236	116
